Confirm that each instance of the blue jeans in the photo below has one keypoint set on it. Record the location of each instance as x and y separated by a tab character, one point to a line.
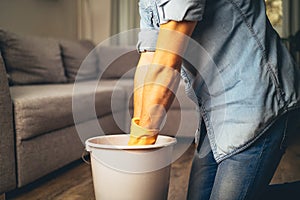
242	176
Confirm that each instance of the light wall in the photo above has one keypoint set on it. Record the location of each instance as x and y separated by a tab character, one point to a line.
70	19
54	18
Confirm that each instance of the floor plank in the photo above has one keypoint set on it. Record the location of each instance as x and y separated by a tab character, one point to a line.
75	182
2	196
180	171
289	167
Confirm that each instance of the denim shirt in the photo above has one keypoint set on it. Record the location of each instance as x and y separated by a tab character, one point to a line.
251	79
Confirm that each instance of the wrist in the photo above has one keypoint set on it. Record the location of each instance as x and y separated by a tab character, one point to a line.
138	130
140	135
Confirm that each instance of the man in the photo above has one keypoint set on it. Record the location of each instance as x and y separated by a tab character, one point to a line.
245	85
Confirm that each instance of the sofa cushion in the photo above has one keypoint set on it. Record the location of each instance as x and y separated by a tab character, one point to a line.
30	60
39	109
73	54
117	61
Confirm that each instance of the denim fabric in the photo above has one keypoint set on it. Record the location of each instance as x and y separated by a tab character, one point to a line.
149	25
156	12
242	176
179	10
244	82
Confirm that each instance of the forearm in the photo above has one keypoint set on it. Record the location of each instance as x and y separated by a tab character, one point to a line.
156	81
159	90
139	79
163	76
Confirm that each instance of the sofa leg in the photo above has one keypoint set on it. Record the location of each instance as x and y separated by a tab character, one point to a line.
2	196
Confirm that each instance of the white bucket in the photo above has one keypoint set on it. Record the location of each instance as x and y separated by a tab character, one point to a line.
122	172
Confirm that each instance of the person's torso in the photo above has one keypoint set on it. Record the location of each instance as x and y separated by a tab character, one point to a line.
243	77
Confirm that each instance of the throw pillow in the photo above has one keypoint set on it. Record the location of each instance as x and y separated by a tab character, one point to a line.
31	60
73	55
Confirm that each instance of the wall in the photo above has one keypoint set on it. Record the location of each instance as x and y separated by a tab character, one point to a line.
54	18
70	19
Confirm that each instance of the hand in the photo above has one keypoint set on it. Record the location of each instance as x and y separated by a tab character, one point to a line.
140	135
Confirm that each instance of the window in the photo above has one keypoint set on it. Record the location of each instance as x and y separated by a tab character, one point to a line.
275	14
284	15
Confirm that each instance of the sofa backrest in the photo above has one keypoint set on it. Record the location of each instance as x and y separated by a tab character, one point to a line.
40	60
117	62
31	60
73	54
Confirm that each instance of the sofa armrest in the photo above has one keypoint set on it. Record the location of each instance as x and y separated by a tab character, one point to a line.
7	148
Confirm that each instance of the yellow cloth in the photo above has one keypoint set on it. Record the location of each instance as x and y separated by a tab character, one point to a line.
140	135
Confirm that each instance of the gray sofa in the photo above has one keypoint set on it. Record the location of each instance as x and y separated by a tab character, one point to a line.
38	132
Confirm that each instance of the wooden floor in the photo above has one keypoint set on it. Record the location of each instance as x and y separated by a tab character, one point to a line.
75	182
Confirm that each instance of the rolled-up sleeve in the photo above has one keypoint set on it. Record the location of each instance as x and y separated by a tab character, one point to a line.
153	13
147	40
149	26
180	10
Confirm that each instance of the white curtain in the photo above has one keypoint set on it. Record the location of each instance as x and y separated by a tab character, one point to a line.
291	22
85	19
124	16
94	19
291	17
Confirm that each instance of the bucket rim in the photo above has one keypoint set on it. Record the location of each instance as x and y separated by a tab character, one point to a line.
89	144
